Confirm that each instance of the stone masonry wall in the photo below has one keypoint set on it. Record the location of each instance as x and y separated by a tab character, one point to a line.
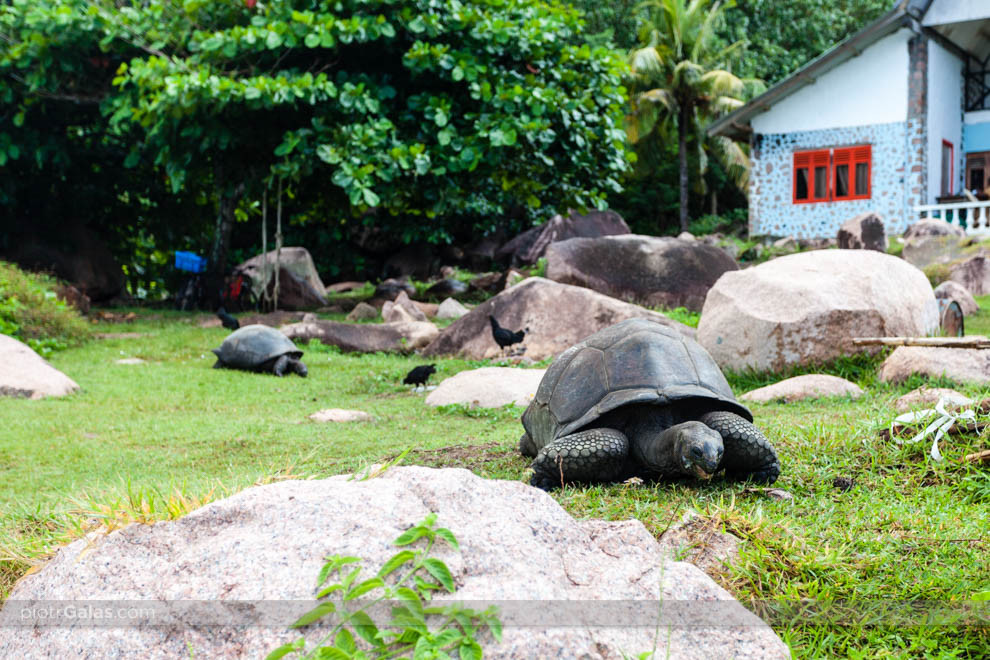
771	210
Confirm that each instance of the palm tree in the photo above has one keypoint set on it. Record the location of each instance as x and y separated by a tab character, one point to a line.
675	81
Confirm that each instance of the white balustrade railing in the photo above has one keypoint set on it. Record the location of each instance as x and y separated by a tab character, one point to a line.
974	217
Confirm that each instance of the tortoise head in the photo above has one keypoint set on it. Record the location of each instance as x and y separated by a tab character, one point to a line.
697	449
298	367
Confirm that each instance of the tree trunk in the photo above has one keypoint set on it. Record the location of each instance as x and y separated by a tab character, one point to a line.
682	161
217	266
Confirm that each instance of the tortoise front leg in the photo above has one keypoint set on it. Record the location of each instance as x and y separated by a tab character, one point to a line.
748	453
281	364
588	456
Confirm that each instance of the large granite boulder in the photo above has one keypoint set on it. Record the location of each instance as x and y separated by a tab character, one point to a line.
299	285
962	365
647	270
447	288
934	250
933	227
557	315
951	290
226	580
399	337
26	374
805	308
529	246
973	274
863	232
488	387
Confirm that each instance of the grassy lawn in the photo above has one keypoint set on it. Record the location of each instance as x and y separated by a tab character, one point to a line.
151	441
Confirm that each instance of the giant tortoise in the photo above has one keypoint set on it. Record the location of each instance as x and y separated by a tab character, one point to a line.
640	399
260	348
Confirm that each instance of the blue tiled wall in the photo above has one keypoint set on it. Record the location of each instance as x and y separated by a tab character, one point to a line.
771	211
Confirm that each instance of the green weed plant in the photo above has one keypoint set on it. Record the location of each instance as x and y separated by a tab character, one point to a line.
417	628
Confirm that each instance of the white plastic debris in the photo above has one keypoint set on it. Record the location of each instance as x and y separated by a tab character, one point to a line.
944	421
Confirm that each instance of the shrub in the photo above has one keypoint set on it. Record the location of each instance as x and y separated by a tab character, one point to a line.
31	312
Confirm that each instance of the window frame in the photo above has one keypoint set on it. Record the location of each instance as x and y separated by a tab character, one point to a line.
810	160
952	168
831	159
853	156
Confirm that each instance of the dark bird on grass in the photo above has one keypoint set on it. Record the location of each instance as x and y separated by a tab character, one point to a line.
228	321
503	337
419	375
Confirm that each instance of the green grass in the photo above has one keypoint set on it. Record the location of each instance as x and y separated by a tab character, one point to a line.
153	441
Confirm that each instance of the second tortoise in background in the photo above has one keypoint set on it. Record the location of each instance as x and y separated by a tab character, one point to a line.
261	349
640	399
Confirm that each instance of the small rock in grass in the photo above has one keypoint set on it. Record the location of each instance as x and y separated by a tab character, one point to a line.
844	483
488	387
340	415
130	361
363	312
809	386
451	309
927	397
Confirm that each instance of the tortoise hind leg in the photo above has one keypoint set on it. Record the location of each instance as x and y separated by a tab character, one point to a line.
588	456
748	453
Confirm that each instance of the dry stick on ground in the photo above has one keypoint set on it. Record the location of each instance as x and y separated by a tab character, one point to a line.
978	457
975	341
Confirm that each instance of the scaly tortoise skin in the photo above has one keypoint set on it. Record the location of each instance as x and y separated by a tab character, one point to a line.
262	349
640	399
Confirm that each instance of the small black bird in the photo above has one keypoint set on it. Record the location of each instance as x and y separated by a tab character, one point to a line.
228	321
419	375
505	338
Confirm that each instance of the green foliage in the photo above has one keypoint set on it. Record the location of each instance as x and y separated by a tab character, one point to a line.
541	267
426	121
415	627
31	312
732	220
937	273
683	315
681	79
784	35
616	21
469	111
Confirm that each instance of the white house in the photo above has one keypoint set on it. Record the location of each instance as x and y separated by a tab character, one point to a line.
895	119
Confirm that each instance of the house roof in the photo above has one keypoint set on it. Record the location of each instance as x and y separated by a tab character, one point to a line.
905	12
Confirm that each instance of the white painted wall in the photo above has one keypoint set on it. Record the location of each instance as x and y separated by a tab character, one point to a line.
871	88
956	11
945	113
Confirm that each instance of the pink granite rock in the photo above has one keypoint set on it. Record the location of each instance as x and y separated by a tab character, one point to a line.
808	386
24	373
564	588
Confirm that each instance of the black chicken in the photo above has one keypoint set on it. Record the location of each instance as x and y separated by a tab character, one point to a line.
227	320
419	375
503	337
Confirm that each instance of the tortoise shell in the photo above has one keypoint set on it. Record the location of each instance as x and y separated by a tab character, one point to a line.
253	345
634	361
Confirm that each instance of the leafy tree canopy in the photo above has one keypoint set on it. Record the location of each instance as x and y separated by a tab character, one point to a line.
784	35
420	117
